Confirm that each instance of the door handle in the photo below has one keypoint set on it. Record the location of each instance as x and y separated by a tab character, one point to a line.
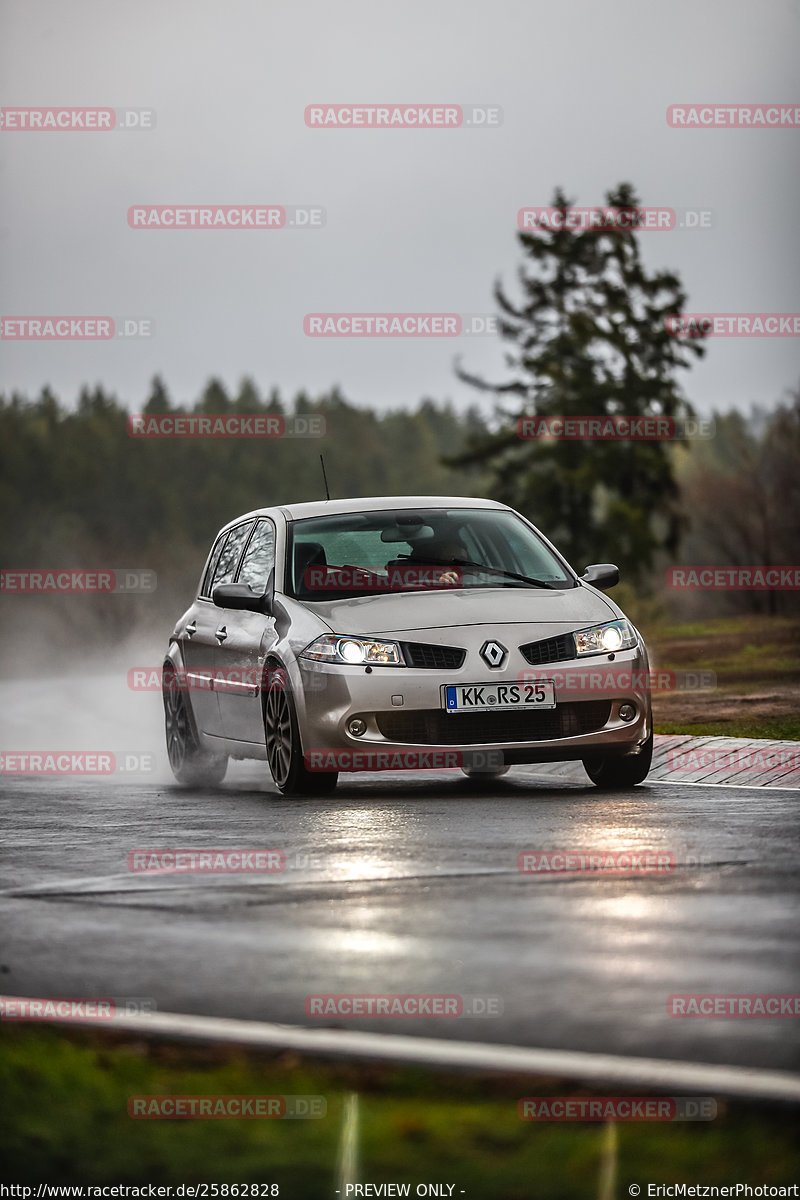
221	634
191	629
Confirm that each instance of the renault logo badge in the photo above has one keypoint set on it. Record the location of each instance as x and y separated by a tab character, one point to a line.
493	654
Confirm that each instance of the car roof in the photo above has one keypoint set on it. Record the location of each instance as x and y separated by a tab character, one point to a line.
322	508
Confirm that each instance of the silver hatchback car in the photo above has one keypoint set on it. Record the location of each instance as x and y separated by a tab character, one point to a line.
402	632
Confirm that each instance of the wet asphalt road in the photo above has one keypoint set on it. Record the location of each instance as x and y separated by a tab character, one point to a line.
410	884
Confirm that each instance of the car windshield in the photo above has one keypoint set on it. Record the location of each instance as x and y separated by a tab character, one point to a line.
404	550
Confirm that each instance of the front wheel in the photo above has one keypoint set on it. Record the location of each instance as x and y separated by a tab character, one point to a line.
284	748
487	773
191	765
607	771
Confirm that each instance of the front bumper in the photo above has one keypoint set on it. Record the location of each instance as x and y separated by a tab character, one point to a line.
407	726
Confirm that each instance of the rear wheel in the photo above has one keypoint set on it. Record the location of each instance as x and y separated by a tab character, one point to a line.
191	765
284	748
606	771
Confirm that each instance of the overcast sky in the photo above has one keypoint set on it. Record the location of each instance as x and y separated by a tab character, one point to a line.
415	220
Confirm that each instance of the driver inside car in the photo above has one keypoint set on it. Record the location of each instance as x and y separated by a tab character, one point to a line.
438	552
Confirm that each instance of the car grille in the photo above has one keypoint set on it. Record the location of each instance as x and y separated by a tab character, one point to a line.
435	727
554	649
434	658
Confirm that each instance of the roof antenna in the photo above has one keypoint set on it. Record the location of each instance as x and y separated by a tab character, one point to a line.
325	477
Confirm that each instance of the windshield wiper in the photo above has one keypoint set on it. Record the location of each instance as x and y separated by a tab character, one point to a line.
463	562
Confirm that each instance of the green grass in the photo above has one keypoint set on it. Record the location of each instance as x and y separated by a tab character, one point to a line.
761	668
754	658
63	1098
780	729
778	679
701	629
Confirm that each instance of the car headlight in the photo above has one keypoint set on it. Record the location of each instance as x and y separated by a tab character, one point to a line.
606	639
354	651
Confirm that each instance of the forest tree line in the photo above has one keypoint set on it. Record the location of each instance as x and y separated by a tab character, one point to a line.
76	490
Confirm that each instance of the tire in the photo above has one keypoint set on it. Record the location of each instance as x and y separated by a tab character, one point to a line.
607	771
487	773
282	738
190	764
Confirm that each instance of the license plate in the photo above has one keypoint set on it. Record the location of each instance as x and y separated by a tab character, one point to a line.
477	697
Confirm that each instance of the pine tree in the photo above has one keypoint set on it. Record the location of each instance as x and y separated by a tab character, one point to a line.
589	338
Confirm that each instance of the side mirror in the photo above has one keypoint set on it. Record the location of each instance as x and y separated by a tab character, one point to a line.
240	595
601	575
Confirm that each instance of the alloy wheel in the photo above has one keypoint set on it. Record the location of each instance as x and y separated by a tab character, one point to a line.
279	735
176	720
